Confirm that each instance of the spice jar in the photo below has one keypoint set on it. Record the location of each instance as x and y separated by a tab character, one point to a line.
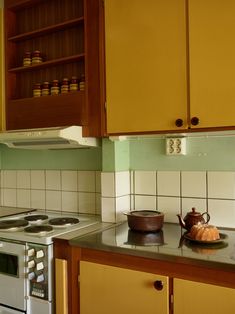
73	84
64	86
45	89
55	89
36	58
27	61
82	82
37	90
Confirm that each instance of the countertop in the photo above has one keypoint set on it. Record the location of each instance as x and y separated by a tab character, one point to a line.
169	245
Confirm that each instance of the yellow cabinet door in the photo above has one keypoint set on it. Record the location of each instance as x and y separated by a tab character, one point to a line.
106	289
212	62
145	44
193	297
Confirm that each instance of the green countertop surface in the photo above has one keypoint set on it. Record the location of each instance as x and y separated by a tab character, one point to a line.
169	244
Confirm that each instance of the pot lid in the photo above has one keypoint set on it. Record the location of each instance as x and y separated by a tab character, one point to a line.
145	213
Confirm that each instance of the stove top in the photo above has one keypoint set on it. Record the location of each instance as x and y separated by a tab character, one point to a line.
41	227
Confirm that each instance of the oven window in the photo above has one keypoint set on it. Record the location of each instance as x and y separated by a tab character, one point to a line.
9	264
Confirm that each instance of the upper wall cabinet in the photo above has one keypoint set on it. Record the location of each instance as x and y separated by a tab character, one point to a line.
47	42
170	65
145	65
2	93
212	62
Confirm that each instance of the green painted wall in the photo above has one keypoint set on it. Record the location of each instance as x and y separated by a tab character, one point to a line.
71	159
214	153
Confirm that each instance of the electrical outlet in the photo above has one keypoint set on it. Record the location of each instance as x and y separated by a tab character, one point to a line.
176	146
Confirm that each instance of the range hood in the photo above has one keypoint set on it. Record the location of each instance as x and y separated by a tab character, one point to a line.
48	138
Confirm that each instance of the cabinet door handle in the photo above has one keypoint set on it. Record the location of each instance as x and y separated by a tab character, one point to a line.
158	285
179	122
195	121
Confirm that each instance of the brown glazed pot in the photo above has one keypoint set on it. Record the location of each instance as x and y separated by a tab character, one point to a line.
145	220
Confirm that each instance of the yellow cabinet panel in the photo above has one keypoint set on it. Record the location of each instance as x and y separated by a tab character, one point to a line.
212	61
193	297
107	289
145	65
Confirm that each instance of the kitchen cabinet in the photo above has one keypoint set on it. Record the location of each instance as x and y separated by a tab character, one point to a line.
146	86
105	289
212	63
169	65
194	297
1	69
69	36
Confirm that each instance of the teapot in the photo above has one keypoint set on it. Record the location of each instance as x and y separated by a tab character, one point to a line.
193	218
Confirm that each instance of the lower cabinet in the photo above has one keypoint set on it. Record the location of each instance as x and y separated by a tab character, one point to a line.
194	297
107	289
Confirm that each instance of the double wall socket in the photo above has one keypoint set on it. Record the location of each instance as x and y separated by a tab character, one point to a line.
176	146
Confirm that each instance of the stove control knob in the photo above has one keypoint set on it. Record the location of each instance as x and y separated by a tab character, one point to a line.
39	254
31	264
40	278
40	266
31	252
31	275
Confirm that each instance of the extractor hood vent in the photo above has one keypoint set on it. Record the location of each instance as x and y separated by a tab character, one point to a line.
51	138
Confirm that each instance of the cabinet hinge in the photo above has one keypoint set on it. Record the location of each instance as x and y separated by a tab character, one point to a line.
171	299
78	279
105	106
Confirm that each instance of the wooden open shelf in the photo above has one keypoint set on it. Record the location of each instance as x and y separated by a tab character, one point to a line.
70	36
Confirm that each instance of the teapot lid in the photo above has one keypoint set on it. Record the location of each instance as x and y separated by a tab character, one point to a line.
194	213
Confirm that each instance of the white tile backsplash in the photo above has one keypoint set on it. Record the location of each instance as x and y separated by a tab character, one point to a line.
9	197
86	181
108	205
86	203
23	179
69	181
170	206
221	185
222	213
200	204
122	183
108	184
145	182
193	183
168	183
70	201
145	202
122	205
53	180
23	198
53	200
38	199
38	179
110	193
9	178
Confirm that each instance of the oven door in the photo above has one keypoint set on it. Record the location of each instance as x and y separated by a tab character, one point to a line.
12	275
5	310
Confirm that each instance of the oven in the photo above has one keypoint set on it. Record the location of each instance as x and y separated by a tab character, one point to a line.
26	260
13	287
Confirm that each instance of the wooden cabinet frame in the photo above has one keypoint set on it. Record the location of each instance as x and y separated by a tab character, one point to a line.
71	38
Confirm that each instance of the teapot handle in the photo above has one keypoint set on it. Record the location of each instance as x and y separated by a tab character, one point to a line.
208	217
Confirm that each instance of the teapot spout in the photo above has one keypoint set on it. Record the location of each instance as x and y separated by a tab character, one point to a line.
181	221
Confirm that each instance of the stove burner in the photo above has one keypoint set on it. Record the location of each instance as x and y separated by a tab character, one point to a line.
40	230
63	221
36	219
13	224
